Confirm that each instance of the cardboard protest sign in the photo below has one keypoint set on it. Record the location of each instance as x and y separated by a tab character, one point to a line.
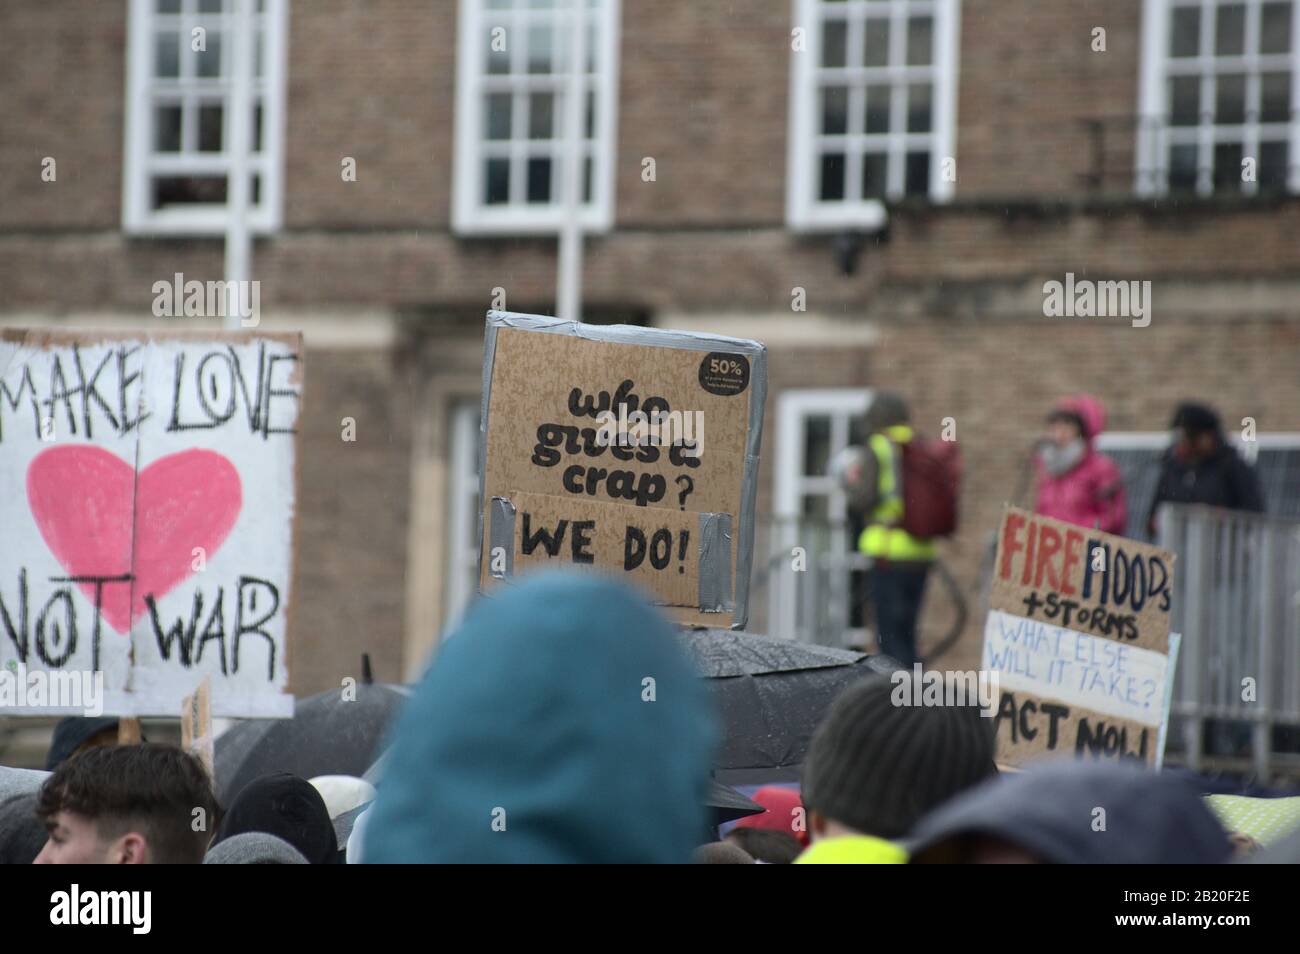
1078	632
630	451
147	494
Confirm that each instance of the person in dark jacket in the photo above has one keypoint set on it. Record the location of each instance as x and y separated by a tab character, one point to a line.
1201	467
1071	812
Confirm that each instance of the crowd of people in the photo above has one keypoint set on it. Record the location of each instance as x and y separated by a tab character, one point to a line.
563	722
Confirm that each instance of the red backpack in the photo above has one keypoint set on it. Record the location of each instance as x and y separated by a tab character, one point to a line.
931	476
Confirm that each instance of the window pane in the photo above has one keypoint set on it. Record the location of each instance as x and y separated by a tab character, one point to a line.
586	179
209	61
918	174
834	43
541	119
918	107
497	181
816	508
498	50
878	98
835	110
1184	100
1227	167
816	444
874	175
499	115
257	126
169	6
1230	30
1274	97
1275	28
167	62
1185	31
541	48
539	180
1230	99
210	120
920	41
187	190
875	42
831	187
591	114
1182	168
210	6
167	128
1272	166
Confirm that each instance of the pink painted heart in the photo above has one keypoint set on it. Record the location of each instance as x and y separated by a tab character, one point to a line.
82	499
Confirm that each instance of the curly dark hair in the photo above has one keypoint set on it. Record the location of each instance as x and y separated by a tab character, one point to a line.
149	788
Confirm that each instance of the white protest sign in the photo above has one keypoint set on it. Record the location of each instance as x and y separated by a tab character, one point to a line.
147	494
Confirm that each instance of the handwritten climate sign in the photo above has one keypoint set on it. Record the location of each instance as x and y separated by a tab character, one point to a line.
631	451
147	492
1078	630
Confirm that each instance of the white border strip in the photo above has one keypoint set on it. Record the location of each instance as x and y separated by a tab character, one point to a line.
1092	672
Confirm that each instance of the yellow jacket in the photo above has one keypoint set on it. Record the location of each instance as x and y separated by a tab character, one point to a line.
882	538
853	850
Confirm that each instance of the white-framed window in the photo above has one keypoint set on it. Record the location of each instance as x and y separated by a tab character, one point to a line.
1220	86
461	578
873	108
512	84
178	121
1275	457
811	511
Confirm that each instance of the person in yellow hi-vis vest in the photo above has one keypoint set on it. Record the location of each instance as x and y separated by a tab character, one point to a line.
900	561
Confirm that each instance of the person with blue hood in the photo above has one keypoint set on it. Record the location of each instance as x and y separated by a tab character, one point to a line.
560	723
1074	812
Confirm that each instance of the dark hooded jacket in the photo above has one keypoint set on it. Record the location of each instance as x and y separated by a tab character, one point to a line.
1051	812
1221	480
560	723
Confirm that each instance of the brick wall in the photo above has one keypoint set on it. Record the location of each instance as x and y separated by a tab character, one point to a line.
955	292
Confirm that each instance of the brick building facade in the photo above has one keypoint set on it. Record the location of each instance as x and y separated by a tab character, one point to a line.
944	303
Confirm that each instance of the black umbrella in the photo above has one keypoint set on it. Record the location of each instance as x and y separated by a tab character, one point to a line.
726	804
771	693
327	735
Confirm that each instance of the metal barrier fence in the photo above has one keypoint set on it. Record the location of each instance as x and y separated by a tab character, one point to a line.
1237	605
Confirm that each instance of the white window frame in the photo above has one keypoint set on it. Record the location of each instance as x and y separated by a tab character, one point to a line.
141	164
793	409
804	211
1151	177
461	576
470	214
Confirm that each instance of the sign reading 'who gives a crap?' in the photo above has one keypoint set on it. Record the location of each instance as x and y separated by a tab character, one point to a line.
624	450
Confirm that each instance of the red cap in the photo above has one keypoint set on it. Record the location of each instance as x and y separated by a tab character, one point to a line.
784	809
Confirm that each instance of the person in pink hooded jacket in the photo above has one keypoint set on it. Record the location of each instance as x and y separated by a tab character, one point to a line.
1074	482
